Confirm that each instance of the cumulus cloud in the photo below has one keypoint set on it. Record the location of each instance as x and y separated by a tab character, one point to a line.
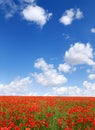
89	85
91	76
17	87
28	8
36	14
79	53
70	15
49	75
71	90
89	88
93	30
67	17
78	14
66	68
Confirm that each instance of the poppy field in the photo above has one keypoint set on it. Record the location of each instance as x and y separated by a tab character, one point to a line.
47	113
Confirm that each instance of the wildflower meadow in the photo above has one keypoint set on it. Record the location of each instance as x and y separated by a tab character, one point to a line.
47	113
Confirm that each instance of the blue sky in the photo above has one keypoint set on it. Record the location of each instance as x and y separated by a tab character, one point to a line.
47	47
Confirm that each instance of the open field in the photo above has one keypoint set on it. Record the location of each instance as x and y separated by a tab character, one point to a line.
47	113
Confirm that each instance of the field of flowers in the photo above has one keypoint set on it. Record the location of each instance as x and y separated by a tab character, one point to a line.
47	113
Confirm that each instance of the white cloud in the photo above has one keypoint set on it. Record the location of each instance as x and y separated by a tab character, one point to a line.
17	87
66	68
11	3
67	17
79	53
70	15
88	85
79	14
9	7
28	8
93	30
89	88
41	64
91	70
36	14
29	1
7	2
72	90
49	75
91	76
